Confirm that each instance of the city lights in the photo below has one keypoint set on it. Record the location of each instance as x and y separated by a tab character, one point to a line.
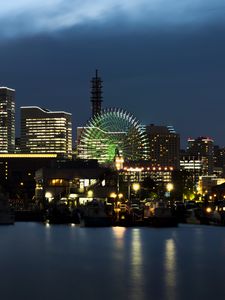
136	186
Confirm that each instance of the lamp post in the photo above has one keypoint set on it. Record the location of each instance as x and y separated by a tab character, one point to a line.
116	197
136	187
90	194
169	188
49	196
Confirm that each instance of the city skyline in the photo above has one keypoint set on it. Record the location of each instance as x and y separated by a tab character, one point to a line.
183	145
166	66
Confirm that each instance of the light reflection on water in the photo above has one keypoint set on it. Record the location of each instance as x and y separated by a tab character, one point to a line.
64	262
136	257
170	268
119	234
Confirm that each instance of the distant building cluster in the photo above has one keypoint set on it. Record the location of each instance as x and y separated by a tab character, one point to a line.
110	135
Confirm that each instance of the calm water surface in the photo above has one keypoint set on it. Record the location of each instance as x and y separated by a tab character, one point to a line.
63	262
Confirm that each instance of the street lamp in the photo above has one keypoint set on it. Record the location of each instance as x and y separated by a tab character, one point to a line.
169	187
136	187
120	195
49	196
113	195
90	194
116	196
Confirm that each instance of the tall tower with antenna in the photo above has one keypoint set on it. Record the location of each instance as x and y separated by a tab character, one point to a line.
96	94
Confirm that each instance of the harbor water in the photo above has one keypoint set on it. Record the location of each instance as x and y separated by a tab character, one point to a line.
63	262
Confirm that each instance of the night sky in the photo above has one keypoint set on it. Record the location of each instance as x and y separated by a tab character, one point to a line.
162	60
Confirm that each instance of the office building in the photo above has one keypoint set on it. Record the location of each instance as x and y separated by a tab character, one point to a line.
219	159
194	166
202	148
45	131
139	171
7	120
164	145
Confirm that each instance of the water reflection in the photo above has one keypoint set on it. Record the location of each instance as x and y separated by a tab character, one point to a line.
112	263
118	233
170	268
47	224
199	240
137	277
136	257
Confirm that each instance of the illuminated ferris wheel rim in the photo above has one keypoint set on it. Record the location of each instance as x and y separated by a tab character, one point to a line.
109	132
114	128
108	115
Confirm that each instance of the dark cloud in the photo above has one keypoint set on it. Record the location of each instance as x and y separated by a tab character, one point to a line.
164	75
25	17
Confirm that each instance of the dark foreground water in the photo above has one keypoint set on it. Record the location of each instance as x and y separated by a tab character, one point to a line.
63	262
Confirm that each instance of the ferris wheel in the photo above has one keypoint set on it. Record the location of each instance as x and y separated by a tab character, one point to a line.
113	130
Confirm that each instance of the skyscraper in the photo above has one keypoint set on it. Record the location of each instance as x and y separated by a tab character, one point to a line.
44	131
203	148
7	120
164	145
96	94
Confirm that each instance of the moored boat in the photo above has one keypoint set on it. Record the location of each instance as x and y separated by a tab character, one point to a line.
158	214
95	215
59	214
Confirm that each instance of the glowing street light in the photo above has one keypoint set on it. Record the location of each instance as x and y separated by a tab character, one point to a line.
136	187
49	196
90	194
120	195
169	187
113	195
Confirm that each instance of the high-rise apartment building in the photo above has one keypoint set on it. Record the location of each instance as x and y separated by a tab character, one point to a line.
194	166
7	120
203	149
219	158
44	131
164	145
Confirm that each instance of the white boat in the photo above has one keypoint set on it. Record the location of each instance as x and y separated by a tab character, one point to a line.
7	216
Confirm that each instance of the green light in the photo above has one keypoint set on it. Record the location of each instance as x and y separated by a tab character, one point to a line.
113	129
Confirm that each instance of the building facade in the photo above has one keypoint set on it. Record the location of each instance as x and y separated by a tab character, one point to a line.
44	131
164	144
194	166
219	159
160	175
7	120
17	174
69	180
203	149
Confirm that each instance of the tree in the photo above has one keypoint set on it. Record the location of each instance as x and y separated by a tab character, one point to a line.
183	184
148	188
